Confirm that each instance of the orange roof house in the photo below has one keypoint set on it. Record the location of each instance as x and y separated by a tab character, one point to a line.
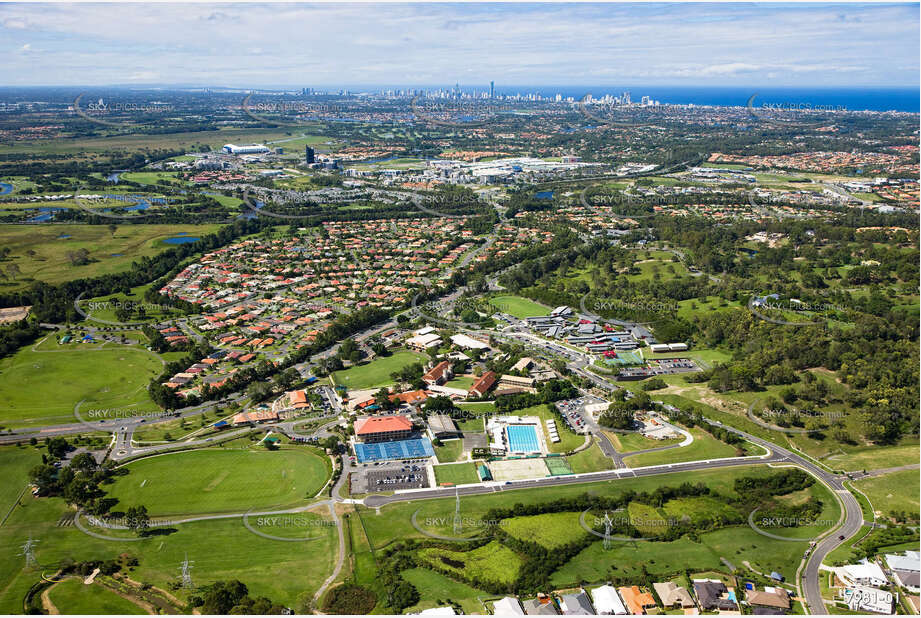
636	600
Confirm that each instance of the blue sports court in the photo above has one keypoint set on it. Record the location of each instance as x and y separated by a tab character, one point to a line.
522	439
401	449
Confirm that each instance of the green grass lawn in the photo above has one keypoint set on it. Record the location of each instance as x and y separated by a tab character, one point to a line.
875	458
51	264
104	307
630	442
549	530
216	480
896	491
704	446
393	521
377	373
519	306
42	386
72	596
221	549
490	562
458	474
15	462
461	382
590	460
450	450
669	558
436	590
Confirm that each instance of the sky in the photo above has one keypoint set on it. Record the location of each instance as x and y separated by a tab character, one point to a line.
415	45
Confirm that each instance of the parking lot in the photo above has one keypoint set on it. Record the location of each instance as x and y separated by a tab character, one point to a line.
389	476
577	412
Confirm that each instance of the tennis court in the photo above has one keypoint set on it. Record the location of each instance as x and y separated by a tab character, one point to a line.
401	449
558	466
522	439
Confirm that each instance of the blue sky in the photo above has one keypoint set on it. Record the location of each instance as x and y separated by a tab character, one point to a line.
351	45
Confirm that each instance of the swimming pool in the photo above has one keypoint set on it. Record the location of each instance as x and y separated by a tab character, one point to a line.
522	439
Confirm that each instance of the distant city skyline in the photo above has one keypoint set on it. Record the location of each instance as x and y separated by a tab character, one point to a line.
429	45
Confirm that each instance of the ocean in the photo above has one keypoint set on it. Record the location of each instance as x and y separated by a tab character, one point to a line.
850	99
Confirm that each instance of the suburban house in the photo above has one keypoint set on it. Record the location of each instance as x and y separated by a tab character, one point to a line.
482	385
576	604
509	606
713	595
439	374
636	600
607	601
541	606
865	573
372	429
673	595
769	597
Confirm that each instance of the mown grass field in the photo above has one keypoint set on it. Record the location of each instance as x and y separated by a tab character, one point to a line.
72	596
519	306
42	386
221	480
590	460
108	252
221	549
896	491
458	474
377	372
704	446
15	462
450	450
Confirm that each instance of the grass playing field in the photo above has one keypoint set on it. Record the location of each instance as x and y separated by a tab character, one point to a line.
220	481
518	306
377	372
42	386
108	252
459	474
72	596
450	450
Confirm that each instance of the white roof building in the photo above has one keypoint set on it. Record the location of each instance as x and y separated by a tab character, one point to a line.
508	606
607	602
468	342
862	574
911	561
